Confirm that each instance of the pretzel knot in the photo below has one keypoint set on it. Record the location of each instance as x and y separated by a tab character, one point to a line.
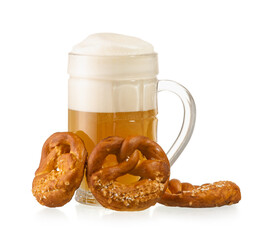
61	169
207	195
153	171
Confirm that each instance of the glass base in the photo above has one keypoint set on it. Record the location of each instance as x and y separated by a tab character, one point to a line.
86	197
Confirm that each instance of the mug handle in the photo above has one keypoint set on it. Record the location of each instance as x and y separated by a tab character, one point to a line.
189	117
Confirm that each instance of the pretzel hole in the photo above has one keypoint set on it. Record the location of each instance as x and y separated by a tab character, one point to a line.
65	148
56	166
128	179
110	161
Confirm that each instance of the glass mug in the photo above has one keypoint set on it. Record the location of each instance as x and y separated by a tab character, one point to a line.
117	96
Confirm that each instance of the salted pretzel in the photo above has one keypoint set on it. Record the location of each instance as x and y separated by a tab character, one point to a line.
207	195
60	170
154	173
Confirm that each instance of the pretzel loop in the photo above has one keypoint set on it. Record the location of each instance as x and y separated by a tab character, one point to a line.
154	173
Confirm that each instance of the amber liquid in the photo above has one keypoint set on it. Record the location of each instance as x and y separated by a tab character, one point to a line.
93	127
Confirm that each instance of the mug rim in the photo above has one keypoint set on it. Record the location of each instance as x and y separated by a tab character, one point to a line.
113	56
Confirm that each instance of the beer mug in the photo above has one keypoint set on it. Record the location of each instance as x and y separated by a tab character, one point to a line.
113	92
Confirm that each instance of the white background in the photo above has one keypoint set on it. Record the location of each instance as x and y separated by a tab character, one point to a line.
219	50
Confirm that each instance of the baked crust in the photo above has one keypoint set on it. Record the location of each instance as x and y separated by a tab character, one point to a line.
60	170
154	172
207	195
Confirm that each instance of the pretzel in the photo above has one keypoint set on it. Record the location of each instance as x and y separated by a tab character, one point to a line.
60	170
207	195
153	168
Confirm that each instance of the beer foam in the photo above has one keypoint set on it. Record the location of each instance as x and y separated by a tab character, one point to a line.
111	44
112	73
112	96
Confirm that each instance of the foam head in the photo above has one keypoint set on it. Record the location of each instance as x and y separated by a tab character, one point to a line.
112	73
111	44
113	56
